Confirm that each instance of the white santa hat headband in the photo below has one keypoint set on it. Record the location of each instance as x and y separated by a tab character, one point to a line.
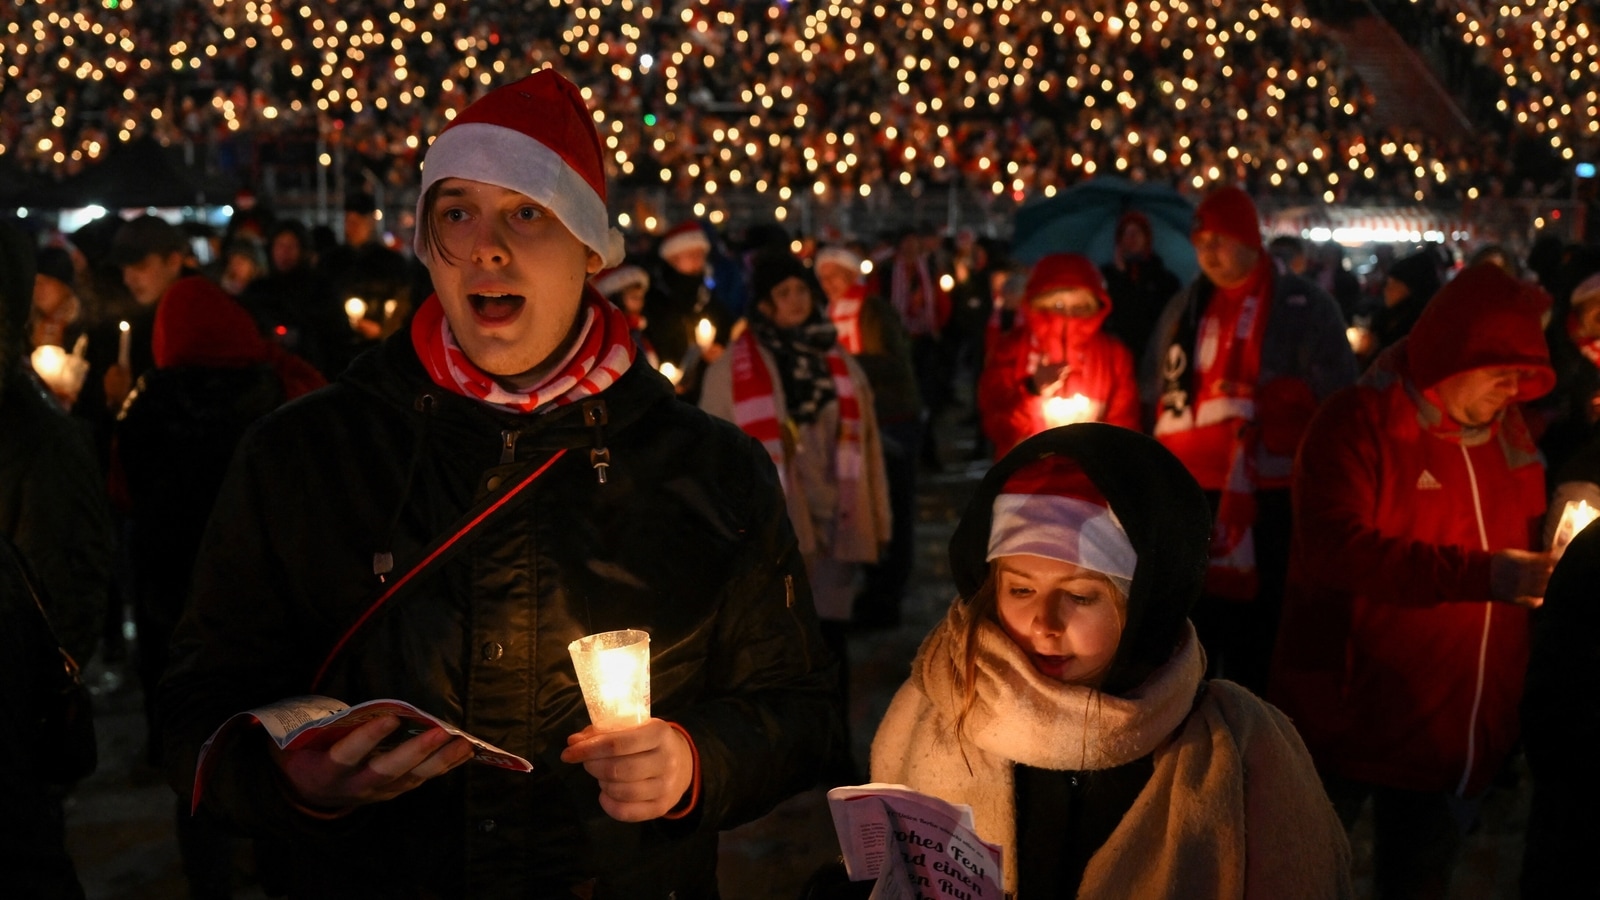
684	237
1050	508
839	256
536	137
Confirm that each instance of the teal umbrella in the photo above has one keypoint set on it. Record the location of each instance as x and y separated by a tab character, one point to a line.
1083	219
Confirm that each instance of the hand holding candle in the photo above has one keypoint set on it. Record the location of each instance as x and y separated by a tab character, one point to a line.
704	334
356	309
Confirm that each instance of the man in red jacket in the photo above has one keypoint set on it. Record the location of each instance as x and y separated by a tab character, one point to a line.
1404	638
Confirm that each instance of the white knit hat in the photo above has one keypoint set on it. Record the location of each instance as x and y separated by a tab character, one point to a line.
537	137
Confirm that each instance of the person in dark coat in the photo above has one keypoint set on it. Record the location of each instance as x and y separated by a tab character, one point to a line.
52	496
33	851
295	304
514	414
214	376
1560	718
1139	282
363	268
1410	283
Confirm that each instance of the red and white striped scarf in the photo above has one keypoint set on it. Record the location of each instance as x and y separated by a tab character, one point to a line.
845	311
601	354
755	411
918	309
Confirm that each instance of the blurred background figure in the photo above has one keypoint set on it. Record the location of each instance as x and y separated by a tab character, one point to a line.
787	384
1057	366
870	330
213	377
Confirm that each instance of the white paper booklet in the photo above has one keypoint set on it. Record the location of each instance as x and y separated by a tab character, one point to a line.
916	846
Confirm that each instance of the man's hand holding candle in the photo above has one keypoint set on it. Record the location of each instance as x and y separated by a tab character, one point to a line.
644	771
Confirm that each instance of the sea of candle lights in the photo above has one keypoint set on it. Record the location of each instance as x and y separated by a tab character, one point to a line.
1548	56
826	98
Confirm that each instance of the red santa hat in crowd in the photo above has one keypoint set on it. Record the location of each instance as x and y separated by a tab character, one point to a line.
537	137
613	281
683	237
1229	210
1050	508
839	256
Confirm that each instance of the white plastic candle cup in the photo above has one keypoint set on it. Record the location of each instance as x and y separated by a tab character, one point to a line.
614	674
1575	517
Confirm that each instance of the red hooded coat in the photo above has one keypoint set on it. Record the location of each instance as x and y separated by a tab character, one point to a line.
1101	366
1392	660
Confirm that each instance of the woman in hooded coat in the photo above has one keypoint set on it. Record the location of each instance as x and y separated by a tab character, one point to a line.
1063	699
1057	365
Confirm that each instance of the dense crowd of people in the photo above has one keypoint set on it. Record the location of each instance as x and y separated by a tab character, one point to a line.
709	100
1258	549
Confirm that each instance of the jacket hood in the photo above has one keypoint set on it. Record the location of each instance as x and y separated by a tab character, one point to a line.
198	324
1482	318
1161	508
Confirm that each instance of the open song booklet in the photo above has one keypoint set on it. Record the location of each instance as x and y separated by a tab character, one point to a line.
316	722
914	846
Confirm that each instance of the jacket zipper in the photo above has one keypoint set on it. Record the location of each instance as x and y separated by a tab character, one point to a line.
508	447
596	417
1483	643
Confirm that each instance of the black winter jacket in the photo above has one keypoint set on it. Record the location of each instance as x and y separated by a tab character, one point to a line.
686	538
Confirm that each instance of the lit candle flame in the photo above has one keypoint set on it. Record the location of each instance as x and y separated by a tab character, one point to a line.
356	309
1575	517
1068	410
704	334
672	372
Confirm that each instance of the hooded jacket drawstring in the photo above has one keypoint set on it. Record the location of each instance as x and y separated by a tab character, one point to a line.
383	560
594	414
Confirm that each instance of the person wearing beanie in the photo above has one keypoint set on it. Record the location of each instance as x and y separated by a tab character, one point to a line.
1138	282
871	332
1404	639
1408	286
680	297
787	383
1057	366
504	475
1573	408
214	376
1237	365
1063	697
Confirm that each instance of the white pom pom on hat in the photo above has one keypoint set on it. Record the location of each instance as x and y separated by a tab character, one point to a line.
537	137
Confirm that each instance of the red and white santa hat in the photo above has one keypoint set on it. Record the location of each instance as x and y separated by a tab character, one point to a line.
683	236
537	137
838	255
1050	508
617	279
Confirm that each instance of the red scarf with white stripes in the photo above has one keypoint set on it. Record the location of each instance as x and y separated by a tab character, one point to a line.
1589	347
755	411
912	294
601	354
845	311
